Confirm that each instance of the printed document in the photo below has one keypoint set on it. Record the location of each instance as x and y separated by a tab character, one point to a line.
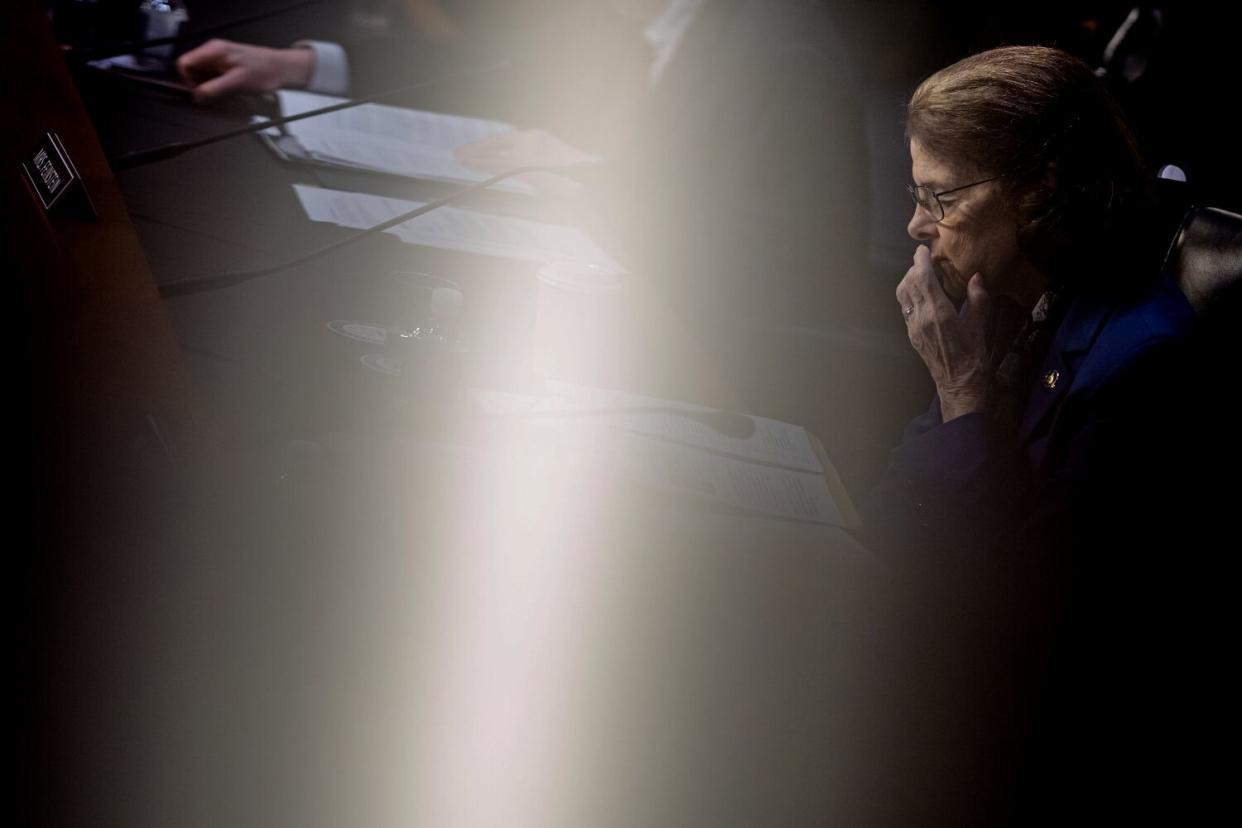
773	471
454	228
388	139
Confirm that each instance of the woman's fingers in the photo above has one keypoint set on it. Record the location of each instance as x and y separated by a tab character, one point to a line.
978	304
911	289
952	345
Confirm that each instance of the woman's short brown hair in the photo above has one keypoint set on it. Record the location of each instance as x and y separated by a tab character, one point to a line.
1041	117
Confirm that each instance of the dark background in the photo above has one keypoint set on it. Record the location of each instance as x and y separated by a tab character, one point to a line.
268	369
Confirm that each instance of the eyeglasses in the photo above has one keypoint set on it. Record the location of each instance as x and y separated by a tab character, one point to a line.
930	202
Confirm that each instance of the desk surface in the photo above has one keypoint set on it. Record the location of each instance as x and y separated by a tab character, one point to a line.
380	631
518	648
231	206
369	630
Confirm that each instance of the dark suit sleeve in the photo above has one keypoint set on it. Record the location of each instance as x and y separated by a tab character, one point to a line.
965	489
951	490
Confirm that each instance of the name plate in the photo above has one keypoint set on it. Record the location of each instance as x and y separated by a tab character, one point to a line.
55	180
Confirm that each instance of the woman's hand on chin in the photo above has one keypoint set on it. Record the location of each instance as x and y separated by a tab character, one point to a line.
952	344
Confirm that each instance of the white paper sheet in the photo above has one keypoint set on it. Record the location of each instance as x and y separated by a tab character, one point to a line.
455	229
433	130
669	466
391	156
773	442
390	139
738	484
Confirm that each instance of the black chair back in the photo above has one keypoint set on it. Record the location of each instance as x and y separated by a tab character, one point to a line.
1205	258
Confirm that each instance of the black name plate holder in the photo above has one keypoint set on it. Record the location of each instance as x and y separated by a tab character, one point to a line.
56	181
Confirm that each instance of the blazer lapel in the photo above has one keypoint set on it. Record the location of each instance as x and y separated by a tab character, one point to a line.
1081	326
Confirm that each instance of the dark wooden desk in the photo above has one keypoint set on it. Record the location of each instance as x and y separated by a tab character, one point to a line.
264	348
409	631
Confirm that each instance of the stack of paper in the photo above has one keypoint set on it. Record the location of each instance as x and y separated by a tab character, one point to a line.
456	229
773	470
388	139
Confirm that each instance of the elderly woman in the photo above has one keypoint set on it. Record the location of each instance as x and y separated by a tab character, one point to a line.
1036	303
1037	489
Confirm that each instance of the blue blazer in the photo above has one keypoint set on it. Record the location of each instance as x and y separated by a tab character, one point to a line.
1091	439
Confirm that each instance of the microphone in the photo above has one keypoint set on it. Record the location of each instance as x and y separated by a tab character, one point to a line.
139	158
445	309
124	47
1131	47
219	281
426	354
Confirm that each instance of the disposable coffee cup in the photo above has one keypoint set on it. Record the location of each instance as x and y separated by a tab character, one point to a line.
162	19
577	321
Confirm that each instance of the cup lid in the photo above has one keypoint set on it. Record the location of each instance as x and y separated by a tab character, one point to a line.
568	274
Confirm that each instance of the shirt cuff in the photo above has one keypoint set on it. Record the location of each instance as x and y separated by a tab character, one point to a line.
331	73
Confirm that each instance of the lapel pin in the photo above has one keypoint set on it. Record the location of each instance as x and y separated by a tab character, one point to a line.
1051	379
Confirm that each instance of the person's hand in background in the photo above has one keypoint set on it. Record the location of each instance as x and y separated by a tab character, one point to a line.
223	67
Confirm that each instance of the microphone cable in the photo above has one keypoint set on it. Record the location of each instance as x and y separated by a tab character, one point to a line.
219	281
